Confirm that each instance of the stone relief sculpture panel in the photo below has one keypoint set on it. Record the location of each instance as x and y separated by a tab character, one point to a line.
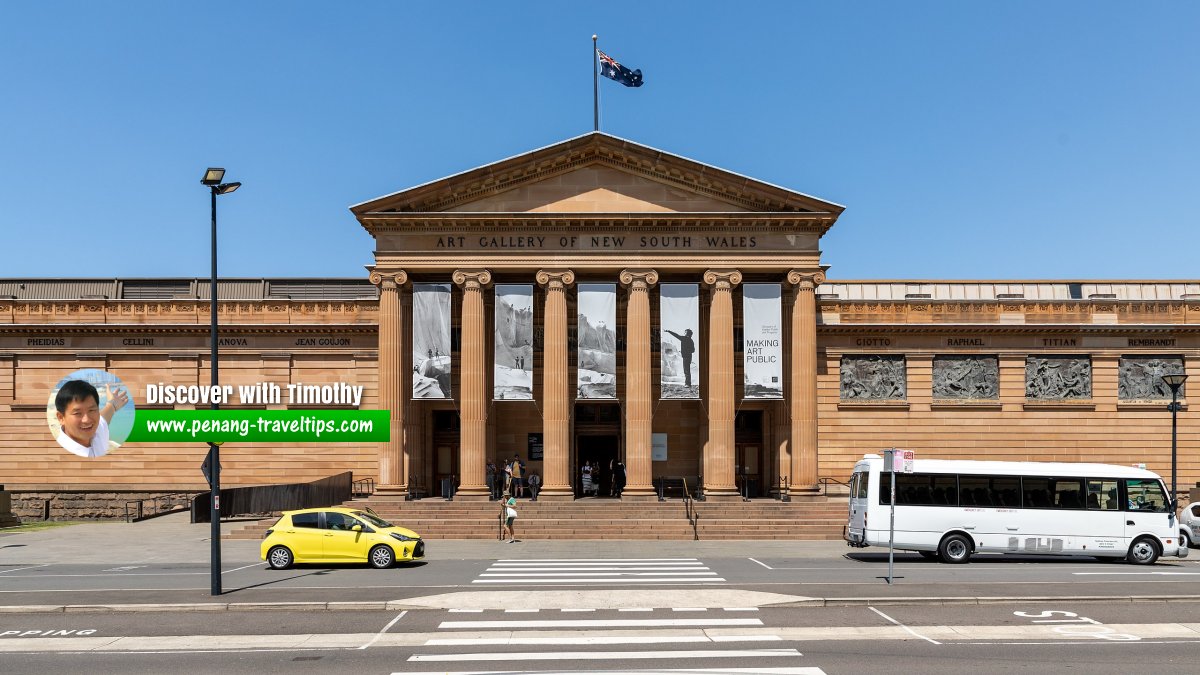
1058	377
1141	377
873	378
966	377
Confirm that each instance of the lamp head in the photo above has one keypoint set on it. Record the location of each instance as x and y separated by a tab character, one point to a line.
226	188
1174	381
213	177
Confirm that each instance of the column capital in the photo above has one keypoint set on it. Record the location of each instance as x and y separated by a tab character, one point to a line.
472	280
807	280
722	280
639	279
555	279
388	278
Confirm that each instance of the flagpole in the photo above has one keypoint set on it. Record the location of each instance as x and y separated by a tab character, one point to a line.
595	86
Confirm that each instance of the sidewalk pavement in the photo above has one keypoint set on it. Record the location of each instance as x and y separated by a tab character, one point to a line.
172	539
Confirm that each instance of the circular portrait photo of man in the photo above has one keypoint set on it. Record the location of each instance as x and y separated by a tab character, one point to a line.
90	413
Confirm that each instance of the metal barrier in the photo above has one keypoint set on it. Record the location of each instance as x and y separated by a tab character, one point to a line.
825	485
272	498
665	485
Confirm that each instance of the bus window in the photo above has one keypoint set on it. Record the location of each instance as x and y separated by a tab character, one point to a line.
1102	495
1145	494
1068	493
862	485
854	478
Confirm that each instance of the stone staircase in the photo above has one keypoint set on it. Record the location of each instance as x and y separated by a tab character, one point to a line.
802	519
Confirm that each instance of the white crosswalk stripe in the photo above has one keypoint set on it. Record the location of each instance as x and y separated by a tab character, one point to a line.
598	571
639	671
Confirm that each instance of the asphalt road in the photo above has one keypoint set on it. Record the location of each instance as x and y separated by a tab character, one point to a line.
1021	637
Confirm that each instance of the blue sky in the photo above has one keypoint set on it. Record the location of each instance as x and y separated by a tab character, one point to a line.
968	140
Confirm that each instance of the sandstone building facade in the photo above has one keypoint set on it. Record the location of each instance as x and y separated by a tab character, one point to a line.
1054	370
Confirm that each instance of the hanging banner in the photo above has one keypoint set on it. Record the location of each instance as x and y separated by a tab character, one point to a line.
596	341
762	343
431	341
513	366
679	326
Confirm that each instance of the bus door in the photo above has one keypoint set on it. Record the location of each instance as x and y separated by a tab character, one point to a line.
859	482
1104	528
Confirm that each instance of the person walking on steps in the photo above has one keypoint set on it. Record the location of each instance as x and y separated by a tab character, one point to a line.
510	517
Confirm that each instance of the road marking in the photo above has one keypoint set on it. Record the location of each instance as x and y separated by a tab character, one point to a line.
689	609
913	632
636	609
18	569
126	568
607	580
579	609
1139	574
517	657
594	560
639	671
599	572
761	563
467	611
521	611
598	640
238	569
741	609
538	562
385	629
598	623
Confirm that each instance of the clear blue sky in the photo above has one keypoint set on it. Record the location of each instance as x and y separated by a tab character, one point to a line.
968	140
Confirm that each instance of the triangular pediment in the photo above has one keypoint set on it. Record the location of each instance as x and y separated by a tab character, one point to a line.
596	173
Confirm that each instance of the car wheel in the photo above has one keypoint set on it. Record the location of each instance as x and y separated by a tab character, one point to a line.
381	557
1144	551
280	558
1185	540
955	549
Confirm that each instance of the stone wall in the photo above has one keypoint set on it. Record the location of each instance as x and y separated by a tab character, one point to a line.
80	505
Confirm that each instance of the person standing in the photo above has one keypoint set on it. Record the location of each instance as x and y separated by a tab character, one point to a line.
507	478
510	517
490	471
687	347
587	477
618	477
518	475
535	485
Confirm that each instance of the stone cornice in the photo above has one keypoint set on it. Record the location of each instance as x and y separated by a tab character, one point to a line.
181	329
1019	329
383	223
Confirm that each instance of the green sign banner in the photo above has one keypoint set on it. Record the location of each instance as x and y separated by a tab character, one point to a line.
260	426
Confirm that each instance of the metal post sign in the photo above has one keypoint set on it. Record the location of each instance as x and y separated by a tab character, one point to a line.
895	461
900	461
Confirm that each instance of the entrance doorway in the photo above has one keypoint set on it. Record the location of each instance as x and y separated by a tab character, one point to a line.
599	450
748	430
445	452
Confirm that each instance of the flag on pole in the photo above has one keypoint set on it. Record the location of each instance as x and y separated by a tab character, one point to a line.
615	71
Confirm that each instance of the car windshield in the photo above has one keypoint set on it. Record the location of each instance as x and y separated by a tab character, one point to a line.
374	520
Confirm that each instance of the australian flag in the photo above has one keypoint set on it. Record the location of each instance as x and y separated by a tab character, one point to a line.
615	71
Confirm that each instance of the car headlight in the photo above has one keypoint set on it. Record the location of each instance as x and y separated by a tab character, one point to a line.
401	537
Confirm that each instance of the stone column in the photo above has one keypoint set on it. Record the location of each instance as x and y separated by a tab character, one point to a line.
392	480
473	401
803	394
638	409
556	392
719	462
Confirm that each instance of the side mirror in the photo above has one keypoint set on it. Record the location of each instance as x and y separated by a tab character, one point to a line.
356	528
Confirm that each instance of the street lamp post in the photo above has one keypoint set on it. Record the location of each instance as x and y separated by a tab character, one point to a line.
1174	382
212	179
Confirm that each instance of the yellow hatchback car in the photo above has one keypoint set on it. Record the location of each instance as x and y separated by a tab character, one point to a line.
338	535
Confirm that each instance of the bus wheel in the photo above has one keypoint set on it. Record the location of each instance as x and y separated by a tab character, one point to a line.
1144	551
955	548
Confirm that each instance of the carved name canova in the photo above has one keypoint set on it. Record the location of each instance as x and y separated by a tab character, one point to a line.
966	376
873	377
1058	377
1141	377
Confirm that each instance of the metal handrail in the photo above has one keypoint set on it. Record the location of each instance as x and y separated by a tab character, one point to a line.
825	484
785	489
175	501
363	487
689	510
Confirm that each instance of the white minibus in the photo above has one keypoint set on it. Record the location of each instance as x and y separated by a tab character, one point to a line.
950	509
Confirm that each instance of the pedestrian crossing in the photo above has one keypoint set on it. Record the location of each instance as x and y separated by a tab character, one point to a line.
519	643
598	571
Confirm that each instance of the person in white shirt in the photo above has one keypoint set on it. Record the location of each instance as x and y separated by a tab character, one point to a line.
84	424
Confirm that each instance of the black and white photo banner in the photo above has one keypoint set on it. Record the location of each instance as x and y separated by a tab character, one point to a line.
513	367
596	341
679	328
762	344
431	341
